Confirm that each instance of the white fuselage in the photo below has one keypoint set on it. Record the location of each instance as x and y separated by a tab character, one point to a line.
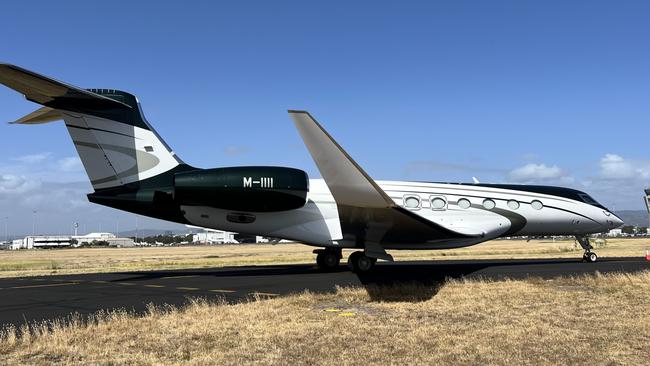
507	212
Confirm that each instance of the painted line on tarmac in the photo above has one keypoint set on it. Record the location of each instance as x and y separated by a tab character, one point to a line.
223	291
48	285
187	288
172	277
347	314
154	286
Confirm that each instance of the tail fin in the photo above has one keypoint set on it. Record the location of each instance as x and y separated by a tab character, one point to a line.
116	144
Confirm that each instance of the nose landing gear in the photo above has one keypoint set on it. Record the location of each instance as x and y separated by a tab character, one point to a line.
588	256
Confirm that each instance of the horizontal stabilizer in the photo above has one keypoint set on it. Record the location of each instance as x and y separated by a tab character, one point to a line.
349	183
52	93
42	115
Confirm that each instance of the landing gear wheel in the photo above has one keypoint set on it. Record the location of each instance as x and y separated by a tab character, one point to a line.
331	259
590	257
359	262
328	259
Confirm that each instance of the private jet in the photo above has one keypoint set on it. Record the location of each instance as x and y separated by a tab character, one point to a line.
132	169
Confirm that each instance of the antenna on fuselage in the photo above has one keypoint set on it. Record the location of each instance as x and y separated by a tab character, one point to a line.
475	180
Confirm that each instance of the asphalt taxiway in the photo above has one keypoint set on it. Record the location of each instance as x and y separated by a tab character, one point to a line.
33	299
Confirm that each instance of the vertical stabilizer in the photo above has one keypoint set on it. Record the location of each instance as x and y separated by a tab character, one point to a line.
116	144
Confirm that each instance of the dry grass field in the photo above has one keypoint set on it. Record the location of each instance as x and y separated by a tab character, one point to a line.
66	261
591	320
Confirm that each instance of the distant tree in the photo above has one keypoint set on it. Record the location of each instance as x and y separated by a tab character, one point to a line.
628	229
99	243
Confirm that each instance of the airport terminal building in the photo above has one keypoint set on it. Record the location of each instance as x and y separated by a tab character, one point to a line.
59	241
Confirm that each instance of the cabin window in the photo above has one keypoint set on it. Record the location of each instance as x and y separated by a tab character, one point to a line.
489	204
537	205
438	203
412	202
513	204
464	203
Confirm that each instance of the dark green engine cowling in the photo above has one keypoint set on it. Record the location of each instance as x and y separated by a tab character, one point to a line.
255	189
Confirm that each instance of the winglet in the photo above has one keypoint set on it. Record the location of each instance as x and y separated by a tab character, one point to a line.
349	183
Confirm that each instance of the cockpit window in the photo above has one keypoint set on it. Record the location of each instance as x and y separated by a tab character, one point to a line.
587	199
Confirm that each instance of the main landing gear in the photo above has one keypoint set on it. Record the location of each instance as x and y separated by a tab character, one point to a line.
588	256
359	262
328	259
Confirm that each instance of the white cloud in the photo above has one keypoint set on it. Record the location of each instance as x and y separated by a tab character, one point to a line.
13	184
538	172
33	158
69	164
56	188
615	167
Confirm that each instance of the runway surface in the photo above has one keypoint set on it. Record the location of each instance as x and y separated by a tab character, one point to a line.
30	299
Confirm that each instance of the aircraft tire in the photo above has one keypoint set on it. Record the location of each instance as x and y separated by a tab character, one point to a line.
328	260
359	262
331	259
591	257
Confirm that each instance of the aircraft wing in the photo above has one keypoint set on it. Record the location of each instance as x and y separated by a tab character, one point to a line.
53	93
349	183
366	212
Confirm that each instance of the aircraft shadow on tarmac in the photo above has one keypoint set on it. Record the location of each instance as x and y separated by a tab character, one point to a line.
403	281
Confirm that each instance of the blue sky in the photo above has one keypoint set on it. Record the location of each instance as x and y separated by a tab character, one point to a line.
549	92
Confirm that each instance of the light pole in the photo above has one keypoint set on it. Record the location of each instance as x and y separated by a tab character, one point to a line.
33	222
6	229
646	200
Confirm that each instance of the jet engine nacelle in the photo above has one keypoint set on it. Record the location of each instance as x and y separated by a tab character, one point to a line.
255	189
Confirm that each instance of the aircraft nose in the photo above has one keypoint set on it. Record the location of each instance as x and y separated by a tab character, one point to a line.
612	220
618	222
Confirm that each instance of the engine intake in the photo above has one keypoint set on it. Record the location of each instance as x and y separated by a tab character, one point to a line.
256	189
